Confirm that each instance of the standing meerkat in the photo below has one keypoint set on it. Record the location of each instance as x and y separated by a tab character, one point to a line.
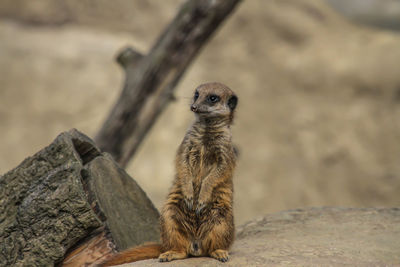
197	218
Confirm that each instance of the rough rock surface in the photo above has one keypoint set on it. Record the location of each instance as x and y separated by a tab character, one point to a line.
136	219
312	237
63	194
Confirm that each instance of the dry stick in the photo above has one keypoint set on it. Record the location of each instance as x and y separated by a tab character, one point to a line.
149	86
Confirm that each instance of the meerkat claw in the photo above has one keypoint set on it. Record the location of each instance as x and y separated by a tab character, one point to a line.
200	207
189	203
221	255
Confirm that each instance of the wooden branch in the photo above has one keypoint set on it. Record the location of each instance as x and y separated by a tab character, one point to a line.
71	198
94	250
129	58
149	88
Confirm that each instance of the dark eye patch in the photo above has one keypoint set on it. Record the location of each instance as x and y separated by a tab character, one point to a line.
213	98
196	95
232	102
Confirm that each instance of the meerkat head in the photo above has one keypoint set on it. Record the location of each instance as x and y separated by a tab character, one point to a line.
214	100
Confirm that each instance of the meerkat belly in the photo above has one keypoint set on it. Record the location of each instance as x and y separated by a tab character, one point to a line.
201	161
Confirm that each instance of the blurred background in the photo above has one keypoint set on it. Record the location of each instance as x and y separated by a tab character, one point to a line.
318	121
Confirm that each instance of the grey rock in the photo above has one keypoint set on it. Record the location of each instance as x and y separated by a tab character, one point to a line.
380	13
312	237
136	219
55	198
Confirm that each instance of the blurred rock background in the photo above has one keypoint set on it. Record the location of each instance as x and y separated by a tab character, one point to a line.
318	122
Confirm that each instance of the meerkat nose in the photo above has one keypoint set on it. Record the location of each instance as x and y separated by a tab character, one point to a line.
193	108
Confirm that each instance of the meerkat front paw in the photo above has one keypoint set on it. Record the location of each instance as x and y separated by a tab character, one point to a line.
187	191
200	207
189	202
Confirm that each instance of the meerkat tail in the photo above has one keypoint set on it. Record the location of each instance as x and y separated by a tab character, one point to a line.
148	251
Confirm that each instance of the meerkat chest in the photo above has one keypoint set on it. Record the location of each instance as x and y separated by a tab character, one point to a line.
203	157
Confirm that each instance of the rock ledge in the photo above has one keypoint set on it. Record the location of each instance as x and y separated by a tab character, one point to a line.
312	237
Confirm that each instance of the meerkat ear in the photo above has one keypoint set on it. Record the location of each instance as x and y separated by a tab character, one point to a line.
232	102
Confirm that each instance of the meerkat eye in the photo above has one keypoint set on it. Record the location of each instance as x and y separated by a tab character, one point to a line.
196	95
213	98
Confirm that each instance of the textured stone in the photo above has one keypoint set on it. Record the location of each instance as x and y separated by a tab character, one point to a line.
59	196
135	221
312	237
44	209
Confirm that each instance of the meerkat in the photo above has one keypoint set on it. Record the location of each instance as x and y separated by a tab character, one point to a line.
197	218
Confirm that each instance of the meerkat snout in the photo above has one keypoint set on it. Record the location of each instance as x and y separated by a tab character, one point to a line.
193	107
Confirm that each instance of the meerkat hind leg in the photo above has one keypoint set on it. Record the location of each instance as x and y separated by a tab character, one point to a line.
172	255
220	254
219	239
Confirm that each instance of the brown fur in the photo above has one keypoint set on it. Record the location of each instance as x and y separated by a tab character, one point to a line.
197	218
144	252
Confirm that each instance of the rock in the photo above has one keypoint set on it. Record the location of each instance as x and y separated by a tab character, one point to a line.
312	237
380	13
136	219
67	195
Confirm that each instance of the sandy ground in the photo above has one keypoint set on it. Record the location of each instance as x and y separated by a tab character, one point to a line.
318	116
